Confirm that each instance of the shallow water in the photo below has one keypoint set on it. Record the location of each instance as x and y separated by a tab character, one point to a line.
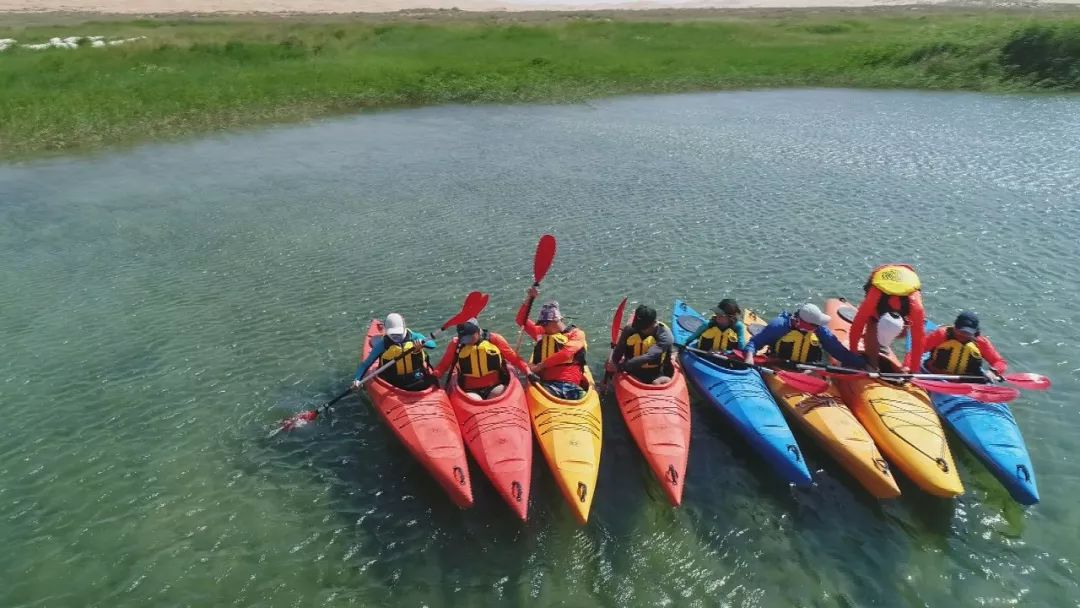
162	307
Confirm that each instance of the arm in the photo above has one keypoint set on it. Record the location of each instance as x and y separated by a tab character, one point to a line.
871	347
664	342
511	357
619	350
917	320
772	332
935	339
858	324
422	339
566	355
447	360
377	350
523	320
991	355
697	334
833	346
740	330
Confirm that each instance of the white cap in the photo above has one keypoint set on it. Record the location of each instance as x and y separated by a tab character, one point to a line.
889	327
394	325
812	314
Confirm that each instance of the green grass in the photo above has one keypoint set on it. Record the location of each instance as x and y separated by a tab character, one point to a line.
196	76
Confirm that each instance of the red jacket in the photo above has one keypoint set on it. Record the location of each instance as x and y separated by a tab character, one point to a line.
986	348
449	357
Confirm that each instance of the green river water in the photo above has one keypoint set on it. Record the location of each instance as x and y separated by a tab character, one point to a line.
161	307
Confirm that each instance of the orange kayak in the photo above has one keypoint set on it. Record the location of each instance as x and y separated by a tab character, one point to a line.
424	421
498	434
900	418
658	417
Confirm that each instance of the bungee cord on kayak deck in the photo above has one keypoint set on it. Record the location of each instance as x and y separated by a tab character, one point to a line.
751	371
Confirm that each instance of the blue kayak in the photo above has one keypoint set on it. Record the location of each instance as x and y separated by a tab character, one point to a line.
742	398
991	433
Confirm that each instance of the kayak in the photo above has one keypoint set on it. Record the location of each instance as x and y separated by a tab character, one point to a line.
499	437
740	395
424	421
900	418
570	434
990	431
658	417
826	418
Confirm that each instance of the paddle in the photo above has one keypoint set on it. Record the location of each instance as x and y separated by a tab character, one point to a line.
545	255
616	329
474	304
801	382
979	392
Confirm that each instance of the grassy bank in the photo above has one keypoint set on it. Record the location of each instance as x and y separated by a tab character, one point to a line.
191	76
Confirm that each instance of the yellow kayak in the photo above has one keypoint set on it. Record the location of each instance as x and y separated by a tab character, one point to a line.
901	419
828	420
570	434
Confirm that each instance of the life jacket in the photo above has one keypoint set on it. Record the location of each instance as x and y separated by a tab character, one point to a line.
717	338
955	357
406	367
895	280
480	365
798	347
549	344
640	344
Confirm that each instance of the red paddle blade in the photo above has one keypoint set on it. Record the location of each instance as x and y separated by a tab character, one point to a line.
474	304
616	323
994	394
545	255
1029	381
803	382
298	420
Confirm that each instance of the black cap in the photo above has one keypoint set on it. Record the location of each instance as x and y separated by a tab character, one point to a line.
644	316
967	320
468	327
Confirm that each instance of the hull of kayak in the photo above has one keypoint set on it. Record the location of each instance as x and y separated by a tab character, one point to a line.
900	418
826	418
570	434
658	417
991	433
740	395
499	437
424	421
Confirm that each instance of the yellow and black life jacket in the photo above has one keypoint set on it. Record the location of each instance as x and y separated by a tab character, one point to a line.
955	357
405	367
717	338
639	344
549	344
480	363
798	347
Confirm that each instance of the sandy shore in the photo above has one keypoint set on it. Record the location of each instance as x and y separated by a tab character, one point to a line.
151	7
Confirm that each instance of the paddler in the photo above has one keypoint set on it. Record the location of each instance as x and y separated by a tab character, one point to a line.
479	357
891	288
803	337
411	371
644	349
724	332
559	355
961	349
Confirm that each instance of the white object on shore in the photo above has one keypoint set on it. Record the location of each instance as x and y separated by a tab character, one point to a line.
70	42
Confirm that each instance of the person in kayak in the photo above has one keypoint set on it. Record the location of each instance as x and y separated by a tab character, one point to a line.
559	355
961	349
891	288
724	331
644	349
409	372
801	338
479	357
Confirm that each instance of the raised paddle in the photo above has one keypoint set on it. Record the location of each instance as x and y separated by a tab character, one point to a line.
979	392
801	382
616	329
545	255
474	304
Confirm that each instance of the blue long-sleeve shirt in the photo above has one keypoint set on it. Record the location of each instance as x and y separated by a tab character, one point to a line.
785	322
379	347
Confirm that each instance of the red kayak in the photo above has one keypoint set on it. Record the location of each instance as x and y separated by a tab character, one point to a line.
424	421
499	437
658	417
